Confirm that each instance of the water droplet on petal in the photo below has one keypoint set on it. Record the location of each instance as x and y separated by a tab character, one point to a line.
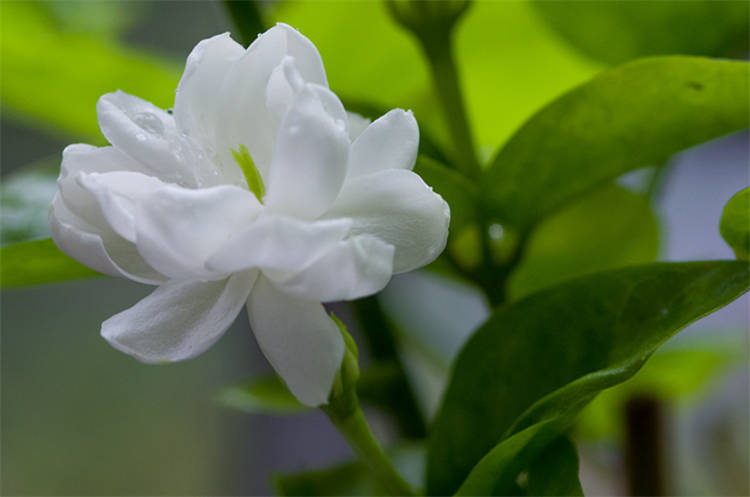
149	122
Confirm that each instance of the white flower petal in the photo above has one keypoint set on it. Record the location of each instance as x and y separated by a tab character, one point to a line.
286	82
196	101
356	124
356	267
309	162
116	193
278	242
149	135
242	102
177	229
391	142
305	54
100	250
180	319
245	119
399	208
80	158
299	339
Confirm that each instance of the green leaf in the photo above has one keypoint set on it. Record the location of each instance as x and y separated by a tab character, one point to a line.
735	223
103	18
607	228
535	363
679	375
555	471
37	262
352	478
82	66
633	116
615	32
266	395
25	197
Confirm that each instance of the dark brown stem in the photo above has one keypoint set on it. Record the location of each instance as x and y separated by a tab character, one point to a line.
644	446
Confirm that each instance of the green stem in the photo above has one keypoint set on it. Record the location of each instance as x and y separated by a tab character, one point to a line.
378	332
439	52
351	423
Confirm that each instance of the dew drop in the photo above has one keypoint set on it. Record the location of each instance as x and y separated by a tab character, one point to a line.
496	231
149	122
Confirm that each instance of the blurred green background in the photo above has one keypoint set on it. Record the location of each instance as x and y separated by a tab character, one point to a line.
79	418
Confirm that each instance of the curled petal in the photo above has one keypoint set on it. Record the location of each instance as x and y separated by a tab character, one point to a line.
356	267
391	142
80	158
116	194
309	163
180	319
278	242
396	206
178	229
299	339
98	249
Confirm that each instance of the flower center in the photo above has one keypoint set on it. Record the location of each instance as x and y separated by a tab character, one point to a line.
252	175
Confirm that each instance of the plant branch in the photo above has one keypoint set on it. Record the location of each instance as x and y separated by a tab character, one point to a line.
382	346
353	426
439	54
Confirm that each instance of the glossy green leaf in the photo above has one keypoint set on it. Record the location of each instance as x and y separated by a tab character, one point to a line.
607	228
735	223
352	478
38	262
25	197
53	78
265	395
615	32
555	471
636	115
536	362
679	375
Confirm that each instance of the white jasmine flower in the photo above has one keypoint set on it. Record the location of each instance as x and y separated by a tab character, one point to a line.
259	190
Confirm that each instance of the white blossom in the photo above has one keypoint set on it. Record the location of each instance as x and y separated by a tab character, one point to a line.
258	190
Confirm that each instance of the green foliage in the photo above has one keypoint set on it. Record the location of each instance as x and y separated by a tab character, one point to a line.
609	126
265	395
352	478
607	228
735	223
679	375
65	72
555	471
37	262
101	18
25	197
535	363
615	32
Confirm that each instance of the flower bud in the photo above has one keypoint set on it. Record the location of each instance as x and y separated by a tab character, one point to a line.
427	18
